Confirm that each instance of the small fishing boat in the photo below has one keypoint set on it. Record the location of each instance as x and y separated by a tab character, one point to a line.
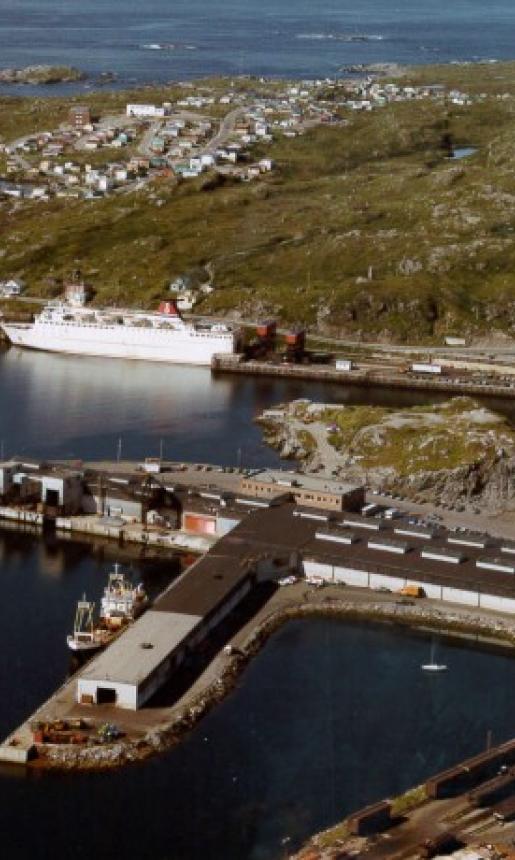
85	637
120	605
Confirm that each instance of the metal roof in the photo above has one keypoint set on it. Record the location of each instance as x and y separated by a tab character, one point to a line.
301	481
126	661
206	585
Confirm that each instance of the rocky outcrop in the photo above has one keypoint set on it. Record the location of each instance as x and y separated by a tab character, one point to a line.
455	454
483	485
41	74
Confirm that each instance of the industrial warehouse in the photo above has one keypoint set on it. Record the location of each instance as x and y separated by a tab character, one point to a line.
267	544
259	526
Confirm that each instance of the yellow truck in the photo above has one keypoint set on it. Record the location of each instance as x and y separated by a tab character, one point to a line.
412	591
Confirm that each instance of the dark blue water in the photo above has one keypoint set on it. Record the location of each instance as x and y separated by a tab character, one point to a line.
74	407
328	718
41	581
294	38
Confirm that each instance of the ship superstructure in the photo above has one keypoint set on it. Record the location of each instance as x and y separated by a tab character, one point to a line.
118	333
121	601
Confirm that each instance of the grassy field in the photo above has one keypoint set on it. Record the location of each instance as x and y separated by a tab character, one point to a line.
426	439
366	229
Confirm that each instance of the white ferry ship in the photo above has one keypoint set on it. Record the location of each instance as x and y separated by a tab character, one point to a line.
159	336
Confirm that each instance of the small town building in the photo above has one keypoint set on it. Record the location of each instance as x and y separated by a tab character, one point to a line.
126	496
79	116
58	488
11	288
145	110
315	491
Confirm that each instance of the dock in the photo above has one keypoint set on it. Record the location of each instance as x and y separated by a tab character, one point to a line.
252	529
362	378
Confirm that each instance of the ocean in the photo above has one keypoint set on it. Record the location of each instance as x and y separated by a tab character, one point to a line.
163	40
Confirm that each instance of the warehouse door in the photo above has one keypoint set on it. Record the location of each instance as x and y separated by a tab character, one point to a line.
106	696
52	498
199	525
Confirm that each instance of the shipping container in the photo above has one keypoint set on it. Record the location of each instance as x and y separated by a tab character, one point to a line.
426	368
344	364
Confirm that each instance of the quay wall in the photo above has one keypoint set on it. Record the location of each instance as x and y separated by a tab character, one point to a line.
233	364
21	515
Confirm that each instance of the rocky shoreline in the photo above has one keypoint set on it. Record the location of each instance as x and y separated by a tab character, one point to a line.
483	629
41	74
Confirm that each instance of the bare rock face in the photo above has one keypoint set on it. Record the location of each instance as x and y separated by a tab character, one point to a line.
489	487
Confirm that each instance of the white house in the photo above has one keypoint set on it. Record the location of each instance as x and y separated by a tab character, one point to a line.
11	288
186	300
145	110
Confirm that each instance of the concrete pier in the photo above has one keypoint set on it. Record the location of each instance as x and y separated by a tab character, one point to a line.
252	529
363	378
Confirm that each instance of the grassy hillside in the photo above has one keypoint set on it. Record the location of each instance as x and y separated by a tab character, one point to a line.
376	196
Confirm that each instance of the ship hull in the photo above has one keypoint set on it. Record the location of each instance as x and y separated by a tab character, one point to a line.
177	347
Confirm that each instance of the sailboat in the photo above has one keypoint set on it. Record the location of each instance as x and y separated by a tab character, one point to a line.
433	666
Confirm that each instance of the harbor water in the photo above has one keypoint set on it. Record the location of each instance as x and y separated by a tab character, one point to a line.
74	407
328	717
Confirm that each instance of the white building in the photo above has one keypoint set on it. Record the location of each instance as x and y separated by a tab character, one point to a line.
137	663
186	300
60	488
11	288
145	110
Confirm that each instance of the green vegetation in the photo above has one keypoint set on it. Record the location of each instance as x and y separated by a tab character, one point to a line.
330	838
401	443
41	74
377	197
427	439
308	441
408	801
